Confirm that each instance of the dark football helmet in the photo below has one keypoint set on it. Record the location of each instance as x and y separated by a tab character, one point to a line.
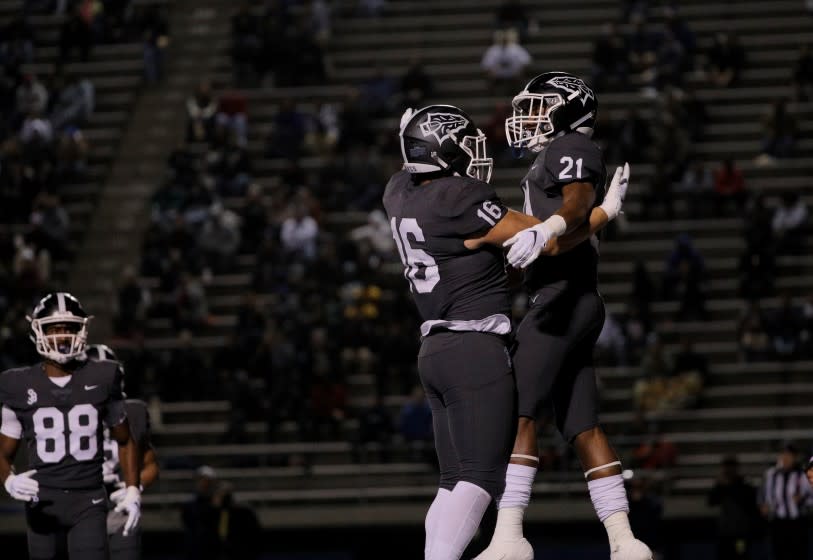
442	138
96	352
59	308
551	104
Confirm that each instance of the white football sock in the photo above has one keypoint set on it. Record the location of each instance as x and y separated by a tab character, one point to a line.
618	528
519	480
459	518
610	502
433	517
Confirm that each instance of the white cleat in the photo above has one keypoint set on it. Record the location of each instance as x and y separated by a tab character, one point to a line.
508	550
632	549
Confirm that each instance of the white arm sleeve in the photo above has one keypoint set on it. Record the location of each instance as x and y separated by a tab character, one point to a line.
10	426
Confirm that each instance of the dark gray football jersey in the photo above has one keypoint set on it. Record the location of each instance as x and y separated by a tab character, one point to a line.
62	426
430	224
570	158
138	417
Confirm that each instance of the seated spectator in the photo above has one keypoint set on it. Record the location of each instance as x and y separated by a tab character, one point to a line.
689	374
76	33
611	346
697	185
31	96
75	103
51	226
790	224
231	166
328	403
803	75
683	279
683	33
219	239
637	327
784	326
201	109
610	65
726	59
655	454
670	63
375	427
416	85
71	153
286	137
415	422
729	186
779	133
754	342
512	14
318	14
246	45
299	234
133	302
642	45
154	25
191	309
231	119
505	61
322	130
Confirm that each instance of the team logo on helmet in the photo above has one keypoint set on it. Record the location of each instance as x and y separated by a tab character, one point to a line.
443	125
32	397
574	86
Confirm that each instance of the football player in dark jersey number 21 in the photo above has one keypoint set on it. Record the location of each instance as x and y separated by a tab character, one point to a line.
553	118
449	227
125	547
59	407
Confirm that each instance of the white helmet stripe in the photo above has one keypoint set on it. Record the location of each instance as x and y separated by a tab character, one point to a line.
60	298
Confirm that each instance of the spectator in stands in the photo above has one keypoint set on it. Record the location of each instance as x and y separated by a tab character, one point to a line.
75	103
416	85
790	224
380	92
726	59
327	401
76	33
757	268
322	130
511	14
286	137
505	61
31	96
689	374
786	492
231	118
610	65
656	453
32	270
650	392
50	226
683	33
697	186
634	137
318	14
200	518
71	153
754	342
154	25
246	45
133	302
642	45
415	423
784	326
779	131
683	278
370	8
729	186
17	42
611	345
738	517
201	109
803	75
191	309
637	326
238	529
669	65
299	234
695	116
219	239
376	428
376	232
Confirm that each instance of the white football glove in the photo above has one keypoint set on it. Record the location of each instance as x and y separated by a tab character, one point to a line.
22	487
130	502
109	473
529	243
614	199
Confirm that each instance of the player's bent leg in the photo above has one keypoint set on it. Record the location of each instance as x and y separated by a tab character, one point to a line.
87	537
125	548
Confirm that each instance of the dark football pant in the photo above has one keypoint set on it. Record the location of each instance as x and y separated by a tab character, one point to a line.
77	516
121	547
553	358
468	380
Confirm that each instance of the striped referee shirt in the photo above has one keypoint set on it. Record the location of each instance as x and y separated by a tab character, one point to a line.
779	490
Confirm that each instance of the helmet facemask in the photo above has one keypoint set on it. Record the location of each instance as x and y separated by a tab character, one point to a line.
61	347
480	165
531	126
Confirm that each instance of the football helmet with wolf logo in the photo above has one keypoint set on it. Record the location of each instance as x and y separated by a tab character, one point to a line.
551	104
443	139
59	327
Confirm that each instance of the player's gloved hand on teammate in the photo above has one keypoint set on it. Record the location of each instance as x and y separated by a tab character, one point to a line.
614	199
22	487
129	502
109	473
528	244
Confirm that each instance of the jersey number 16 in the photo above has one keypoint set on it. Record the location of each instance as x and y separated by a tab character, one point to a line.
420	269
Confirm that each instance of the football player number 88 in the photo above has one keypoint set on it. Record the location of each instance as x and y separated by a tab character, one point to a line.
415	260
49	427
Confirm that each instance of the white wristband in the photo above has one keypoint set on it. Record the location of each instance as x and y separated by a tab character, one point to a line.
556	225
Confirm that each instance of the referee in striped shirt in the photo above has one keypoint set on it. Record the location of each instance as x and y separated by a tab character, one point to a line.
785	494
